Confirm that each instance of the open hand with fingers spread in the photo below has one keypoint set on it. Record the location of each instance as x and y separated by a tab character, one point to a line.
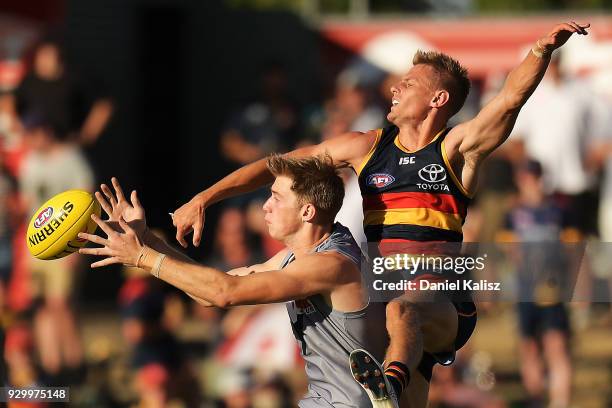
118	207
119	247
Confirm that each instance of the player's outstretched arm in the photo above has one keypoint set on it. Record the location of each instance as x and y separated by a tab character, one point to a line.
118	207
347	148
475	139
270	264
309	275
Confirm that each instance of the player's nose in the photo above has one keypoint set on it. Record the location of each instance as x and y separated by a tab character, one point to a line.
266	206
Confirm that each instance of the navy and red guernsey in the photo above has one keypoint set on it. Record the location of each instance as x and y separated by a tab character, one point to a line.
411	195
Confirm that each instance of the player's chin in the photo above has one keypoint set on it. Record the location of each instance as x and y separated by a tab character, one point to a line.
273	232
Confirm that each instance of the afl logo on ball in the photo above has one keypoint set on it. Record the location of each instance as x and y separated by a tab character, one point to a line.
43	217
432	173
380	180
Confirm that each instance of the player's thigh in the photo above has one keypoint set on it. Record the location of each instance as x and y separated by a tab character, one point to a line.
415	396
438	318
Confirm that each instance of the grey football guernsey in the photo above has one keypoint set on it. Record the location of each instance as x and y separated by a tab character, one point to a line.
327	336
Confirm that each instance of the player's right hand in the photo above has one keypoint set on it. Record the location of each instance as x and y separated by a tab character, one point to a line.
561	33
189	217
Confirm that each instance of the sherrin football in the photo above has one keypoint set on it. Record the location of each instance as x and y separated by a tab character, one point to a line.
52	232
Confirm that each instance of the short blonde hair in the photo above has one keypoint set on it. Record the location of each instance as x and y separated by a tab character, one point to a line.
315	180
452	76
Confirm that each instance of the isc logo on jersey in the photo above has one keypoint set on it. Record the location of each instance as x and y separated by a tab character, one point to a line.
52	232
380	180
433	174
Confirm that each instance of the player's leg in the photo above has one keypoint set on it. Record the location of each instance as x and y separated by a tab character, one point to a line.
417	323
415	396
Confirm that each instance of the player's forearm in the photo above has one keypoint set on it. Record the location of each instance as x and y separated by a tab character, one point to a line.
161	246
208	284
244	180
523	80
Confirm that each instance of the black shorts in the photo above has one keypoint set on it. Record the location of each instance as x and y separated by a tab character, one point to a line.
534	320
466	323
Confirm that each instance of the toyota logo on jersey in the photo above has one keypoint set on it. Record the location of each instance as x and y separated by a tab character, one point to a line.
380	180
432	173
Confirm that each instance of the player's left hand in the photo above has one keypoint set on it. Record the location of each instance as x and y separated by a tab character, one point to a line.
117	206
119	247
561	33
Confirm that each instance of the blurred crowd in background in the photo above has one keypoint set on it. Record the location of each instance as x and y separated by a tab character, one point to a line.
552	181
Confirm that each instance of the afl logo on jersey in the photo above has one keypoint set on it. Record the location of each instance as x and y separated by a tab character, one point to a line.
432	173
380	180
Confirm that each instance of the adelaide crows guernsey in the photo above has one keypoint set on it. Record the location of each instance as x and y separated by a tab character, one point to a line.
412	196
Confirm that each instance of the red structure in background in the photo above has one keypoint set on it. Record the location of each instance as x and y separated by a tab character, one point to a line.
48	11
485	45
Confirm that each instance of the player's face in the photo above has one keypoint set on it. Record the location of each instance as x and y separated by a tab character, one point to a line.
412	95
282	210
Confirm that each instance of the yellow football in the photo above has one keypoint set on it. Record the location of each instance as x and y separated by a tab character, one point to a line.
53	230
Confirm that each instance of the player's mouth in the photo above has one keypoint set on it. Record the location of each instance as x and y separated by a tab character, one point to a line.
394	102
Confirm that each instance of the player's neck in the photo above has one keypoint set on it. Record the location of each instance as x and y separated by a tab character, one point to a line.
307	238
414	135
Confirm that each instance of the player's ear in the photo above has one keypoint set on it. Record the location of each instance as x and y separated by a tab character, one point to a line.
308	212
440	98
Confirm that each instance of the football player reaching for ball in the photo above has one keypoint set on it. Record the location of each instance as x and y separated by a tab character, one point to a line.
317	275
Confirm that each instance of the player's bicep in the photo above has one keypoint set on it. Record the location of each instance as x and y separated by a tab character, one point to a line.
349	147
490	128
312	275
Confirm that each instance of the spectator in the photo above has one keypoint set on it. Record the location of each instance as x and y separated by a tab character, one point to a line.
555	127
264	126
352	100
53	166
232	247
543	319
162	373
52	88
8	215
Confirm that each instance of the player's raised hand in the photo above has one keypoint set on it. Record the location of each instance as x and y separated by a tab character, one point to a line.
189	217
560	34
117	206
